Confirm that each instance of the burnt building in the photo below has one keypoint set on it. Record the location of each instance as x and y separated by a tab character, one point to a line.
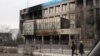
59	22
53	20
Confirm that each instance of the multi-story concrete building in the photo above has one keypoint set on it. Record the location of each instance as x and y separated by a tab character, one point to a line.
60	21
55	20
88	17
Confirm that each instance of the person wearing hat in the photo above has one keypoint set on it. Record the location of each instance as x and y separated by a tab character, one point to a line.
81	48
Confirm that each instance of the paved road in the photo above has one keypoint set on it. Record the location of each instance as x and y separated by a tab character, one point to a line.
8	54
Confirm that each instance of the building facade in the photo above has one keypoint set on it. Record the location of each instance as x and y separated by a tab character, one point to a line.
88	15
60	21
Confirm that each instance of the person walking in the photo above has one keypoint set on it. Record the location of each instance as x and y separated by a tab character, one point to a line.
81	48
73	48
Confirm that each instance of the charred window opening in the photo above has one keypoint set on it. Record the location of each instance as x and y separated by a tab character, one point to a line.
90	17
89	27
37	14
55	39
79	19
79	5
65	23
25	16
64	39
46	39
98	2
89	4
39	39
72	37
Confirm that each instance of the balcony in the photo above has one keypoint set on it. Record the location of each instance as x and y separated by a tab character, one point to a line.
45	26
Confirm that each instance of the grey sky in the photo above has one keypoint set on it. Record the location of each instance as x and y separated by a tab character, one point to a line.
9	11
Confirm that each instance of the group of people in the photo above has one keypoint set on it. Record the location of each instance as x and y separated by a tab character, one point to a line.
81	48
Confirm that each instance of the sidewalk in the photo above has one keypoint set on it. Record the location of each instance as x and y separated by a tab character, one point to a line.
58	54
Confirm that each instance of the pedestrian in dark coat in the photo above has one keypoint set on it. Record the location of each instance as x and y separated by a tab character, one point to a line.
81	48
73	48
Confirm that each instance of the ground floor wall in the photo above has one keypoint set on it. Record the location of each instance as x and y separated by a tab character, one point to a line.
58	41
64	39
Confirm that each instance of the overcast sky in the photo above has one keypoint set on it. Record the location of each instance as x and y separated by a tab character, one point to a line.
9	11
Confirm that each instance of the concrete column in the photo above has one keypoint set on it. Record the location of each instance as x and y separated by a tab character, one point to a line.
54	10
26	41
69	11
48	11
42	40
59	39
68	6
41	44
34	41
60	44
60	7
51	44
69	40
80	35
60	10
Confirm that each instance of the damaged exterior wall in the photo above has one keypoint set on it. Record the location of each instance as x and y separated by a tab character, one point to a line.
55	21
83	16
